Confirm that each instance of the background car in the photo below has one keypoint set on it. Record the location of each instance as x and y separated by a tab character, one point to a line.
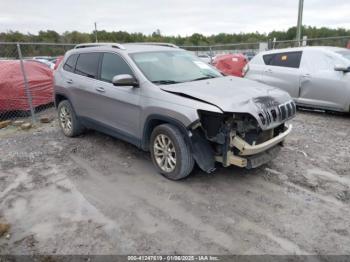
12	90
249	54
206	58
231	64
316	77
58	61
46	60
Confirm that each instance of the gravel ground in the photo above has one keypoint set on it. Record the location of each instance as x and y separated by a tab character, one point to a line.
98	195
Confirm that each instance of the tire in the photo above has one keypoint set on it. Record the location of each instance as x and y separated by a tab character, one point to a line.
176	149
67	119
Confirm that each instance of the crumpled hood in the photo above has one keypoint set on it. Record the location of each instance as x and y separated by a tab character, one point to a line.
232	94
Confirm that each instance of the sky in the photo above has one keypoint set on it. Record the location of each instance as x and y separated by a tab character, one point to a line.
172	17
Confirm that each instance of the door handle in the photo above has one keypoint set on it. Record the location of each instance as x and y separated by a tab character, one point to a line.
69	81
268	70
100	89
306	76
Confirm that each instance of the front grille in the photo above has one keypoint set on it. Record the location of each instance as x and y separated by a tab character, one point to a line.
294	108
287	110
278	114
274	114
283	112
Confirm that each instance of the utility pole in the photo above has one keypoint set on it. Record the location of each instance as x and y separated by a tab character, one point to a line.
96	40
300	21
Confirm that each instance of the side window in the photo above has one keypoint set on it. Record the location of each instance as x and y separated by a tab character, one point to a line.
268	58
112	65
70	63
87	64
290	59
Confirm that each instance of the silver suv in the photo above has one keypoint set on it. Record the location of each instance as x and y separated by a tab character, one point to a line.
315	76
167	101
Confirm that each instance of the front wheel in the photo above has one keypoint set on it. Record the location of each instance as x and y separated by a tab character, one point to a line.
170	153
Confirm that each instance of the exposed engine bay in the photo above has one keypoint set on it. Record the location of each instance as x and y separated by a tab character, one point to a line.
250	127
235	139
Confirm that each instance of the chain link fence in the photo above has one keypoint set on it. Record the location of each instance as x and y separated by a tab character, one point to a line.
249	49
339	41
26	78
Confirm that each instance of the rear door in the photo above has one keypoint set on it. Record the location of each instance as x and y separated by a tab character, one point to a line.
282	70
84	81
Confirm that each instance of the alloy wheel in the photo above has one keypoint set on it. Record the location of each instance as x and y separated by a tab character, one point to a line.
65	119
164	153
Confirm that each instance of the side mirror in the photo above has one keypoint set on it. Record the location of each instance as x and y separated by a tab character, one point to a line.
342	68
125	80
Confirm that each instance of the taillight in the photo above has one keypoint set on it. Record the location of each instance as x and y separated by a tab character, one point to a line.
245	70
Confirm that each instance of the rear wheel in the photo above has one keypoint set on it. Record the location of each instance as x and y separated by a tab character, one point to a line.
170	153
67	119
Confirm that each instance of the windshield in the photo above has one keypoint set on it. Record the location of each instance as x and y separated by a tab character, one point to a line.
171	67
345	54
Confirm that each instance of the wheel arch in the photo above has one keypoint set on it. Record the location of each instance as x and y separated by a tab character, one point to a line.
155	120
59	98
199	147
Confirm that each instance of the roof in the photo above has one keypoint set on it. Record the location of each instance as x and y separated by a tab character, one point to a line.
225	56
87	45
127	47
137	47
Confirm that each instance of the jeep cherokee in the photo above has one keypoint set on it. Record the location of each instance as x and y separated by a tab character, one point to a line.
165	100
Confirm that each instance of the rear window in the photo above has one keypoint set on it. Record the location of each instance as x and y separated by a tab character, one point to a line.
290	59
70	64
87	64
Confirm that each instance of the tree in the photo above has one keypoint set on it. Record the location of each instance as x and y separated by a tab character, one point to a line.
195	39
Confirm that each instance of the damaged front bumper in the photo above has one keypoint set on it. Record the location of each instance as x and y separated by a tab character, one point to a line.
252	156
246	149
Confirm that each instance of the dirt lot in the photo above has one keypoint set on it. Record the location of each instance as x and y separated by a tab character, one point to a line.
98	195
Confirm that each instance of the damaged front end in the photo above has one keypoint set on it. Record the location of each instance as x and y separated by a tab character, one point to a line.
240	139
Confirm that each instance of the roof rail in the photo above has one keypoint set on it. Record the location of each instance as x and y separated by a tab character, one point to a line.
115	45
155	43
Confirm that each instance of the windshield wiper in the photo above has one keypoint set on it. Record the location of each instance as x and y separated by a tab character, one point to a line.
165	82
203	78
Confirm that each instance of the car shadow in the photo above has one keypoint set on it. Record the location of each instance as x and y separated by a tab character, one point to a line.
197	175
228	174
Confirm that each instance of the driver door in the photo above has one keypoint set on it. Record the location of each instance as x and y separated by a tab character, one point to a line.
320	84
119	106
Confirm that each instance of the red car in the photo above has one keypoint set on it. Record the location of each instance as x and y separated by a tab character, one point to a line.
13	95
58	61
231	64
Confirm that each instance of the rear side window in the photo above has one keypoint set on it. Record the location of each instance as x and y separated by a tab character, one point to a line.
268	58
290	59
87	65
70	64
112	65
